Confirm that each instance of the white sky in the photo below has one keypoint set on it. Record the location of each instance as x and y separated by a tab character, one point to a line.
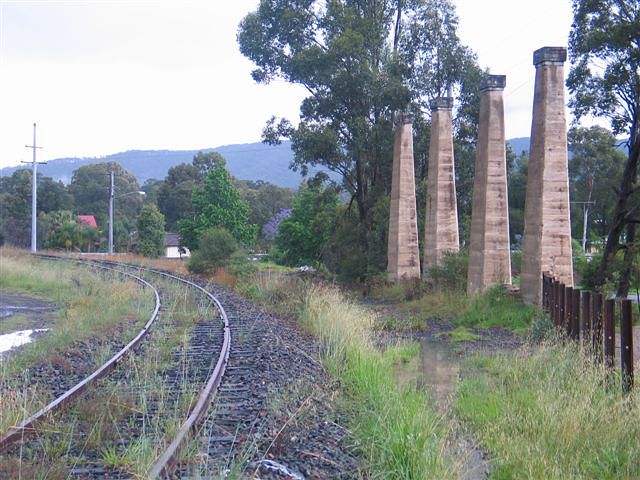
101	77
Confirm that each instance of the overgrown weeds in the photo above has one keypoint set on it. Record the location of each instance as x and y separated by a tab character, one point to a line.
546	413
395	428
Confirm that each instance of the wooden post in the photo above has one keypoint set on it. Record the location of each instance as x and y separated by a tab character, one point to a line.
586	319
568	311
561	294
575	314
556	302
626	345
596	323
609	332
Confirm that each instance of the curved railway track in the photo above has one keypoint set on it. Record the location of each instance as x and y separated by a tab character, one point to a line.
245	423
206	350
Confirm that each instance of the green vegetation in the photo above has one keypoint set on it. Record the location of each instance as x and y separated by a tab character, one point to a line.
150	225
394	428
217	203
545	413
603	81
302	236
90	305
495	307
216	247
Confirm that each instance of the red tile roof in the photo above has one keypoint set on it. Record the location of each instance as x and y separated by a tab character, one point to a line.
87	220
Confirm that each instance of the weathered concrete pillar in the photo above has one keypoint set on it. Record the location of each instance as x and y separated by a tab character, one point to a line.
403	254
547	227
441	226
489	256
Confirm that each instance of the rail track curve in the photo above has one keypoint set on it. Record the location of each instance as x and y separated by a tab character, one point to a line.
167	461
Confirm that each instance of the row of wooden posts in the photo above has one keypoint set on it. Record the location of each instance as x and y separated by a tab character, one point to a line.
588	317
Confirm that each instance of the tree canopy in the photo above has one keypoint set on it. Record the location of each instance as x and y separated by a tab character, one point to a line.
361	62
217	203
604	47
150	225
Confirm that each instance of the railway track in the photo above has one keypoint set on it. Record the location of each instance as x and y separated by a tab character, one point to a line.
168	412
133	420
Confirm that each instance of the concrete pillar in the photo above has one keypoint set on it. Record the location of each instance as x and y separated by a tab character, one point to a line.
441	226
403	254
489	256
547	227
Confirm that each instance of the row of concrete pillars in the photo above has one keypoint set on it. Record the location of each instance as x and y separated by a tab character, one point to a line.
547	227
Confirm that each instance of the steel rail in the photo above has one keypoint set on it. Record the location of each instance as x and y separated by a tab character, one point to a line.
166	463
18	432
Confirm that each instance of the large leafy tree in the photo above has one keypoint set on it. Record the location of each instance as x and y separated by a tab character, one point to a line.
604	81
360	62
90	189
594	168
217	203
304	235
265	200
150	225
15	204
174	193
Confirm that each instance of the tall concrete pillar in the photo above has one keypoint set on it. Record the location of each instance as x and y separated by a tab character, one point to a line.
547	227
403	254
441	226
489	256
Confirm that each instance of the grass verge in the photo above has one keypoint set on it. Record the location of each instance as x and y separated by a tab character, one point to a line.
396	430
545	413
494	307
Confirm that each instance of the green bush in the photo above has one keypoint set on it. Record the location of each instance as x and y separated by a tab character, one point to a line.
451	273
216	246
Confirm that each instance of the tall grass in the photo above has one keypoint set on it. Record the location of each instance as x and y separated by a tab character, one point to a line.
494	307
546	414
394	428
90	305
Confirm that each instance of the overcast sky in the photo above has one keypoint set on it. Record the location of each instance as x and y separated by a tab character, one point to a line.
101	77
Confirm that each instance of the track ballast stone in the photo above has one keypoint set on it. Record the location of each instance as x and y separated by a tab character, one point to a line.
273	416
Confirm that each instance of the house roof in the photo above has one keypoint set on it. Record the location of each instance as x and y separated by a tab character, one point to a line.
171	239
87	220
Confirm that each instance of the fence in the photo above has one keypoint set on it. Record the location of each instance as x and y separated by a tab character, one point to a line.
591	319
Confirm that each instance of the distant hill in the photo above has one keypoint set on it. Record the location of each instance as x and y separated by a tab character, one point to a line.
519	144
249	161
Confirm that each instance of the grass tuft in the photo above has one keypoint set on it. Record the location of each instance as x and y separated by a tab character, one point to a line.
545	413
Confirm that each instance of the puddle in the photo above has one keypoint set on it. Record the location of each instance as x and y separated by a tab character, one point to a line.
16	339
435	369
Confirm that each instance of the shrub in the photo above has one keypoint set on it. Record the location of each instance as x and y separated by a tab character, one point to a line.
216	246
451	273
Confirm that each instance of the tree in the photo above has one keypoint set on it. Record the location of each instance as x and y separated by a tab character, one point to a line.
594	168
604	47
217	203
265	200
360	62
15	204
150	232
303	235
90	189
174	193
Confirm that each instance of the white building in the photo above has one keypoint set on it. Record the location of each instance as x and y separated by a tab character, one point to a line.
172	247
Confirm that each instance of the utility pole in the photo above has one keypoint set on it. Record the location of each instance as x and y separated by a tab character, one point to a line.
585	209
111	199
34	191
